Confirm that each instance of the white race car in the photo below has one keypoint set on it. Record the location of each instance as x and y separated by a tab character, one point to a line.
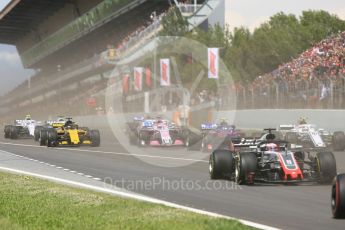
301	134
21	128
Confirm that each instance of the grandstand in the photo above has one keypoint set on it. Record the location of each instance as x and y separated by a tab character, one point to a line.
65	41
314	79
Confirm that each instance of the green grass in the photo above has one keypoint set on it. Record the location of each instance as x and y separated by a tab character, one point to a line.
30	203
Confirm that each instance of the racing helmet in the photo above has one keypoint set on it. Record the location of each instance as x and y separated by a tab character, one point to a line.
272	147
61	119
302	120
69	122
223	122
28	117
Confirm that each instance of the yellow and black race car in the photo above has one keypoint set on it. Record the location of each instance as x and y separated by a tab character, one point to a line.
69	134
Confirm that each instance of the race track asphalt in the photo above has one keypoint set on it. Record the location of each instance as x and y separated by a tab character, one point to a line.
181	176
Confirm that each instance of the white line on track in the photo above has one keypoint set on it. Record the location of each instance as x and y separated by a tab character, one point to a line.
137	197
64	169
15	144
107	152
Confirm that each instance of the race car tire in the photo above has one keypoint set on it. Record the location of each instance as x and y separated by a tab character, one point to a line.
43	137
194	142
326	167
13	132
221	164
132	126
203	145
132	138
338	197
7	131
187	141
37	132
140	140
291	137
143	139
52	138
246	165
338	141
95	138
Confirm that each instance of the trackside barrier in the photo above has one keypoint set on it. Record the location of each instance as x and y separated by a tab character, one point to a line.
331	120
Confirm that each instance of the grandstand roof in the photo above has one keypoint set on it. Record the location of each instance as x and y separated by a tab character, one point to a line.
22	16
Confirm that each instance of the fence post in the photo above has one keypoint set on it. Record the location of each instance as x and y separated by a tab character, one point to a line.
268	95
277	94
332	93
342	91
305	94
244	97
252	104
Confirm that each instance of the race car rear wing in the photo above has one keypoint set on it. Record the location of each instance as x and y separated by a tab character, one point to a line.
286	127
55	124
208	126
138	118
24	122
255	143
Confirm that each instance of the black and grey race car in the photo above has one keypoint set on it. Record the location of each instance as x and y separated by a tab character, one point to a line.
272	161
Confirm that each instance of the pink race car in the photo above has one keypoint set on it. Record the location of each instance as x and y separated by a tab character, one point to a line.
156	132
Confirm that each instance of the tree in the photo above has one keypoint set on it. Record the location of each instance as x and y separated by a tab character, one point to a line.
174	24
250	54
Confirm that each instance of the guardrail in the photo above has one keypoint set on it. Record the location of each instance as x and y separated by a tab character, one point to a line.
332	120
299	93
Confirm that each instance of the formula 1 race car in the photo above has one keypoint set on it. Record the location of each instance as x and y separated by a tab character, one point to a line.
213	135
338	196
155	132
59	122
272	161
69	134
335	140
21	128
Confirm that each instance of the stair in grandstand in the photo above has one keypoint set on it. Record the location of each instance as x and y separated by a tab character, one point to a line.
198	13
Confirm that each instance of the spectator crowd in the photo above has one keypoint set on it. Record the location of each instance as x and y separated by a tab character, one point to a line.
315	75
